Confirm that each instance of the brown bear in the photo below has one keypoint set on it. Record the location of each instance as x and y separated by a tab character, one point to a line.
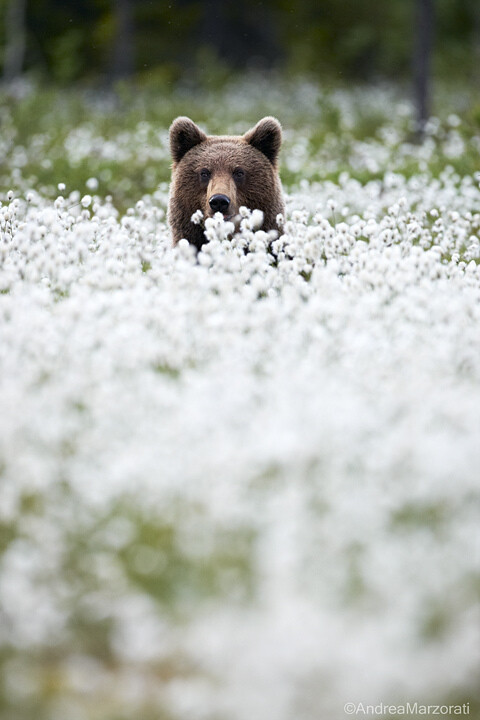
221	174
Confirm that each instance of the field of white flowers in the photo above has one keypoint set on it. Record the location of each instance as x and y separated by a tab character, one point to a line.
238	486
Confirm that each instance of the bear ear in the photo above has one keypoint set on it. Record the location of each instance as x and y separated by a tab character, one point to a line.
184	135
266	136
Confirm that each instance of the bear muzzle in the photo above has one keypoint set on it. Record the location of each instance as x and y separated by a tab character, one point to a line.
220	203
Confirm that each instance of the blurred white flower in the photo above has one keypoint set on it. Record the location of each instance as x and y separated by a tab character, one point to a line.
92	184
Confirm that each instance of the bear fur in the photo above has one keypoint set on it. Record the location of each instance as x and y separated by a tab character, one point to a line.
221	174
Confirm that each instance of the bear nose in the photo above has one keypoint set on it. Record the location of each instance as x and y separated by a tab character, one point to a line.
219	203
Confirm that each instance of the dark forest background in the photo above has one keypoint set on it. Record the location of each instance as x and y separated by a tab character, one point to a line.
90	40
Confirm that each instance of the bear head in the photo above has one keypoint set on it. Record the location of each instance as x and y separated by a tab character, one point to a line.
221	174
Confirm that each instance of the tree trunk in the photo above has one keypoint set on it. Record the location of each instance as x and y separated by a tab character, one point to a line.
424	20
123	44
15	39
476	42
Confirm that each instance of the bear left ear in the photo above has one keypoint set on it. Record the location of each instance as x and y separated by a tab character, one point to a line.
184	135
266	136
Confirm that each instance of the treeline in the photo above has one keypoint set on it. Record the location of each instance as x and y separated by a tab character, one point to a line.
70	40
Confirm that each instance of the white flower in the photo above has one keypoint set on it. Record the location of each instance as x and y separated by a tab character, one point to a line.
197	217
256	218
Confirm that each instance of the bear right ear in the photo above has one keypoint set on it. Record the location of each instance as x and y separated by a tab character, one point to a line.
266	136
184	135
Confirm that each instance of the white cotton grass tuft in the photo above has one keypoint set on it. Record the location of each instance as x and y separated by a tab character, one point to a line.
197	217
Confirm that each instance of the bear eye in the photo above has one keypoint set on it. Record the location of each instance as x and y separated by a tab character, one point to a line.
238	174
205	174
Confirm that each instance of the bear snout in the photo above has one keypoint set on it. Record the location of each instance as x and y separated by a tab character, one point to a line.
219	203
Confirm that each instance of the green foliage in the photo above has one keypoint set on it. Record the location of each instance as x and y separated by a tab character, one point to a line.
179	571
353	39
418	517
364	40
66	56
